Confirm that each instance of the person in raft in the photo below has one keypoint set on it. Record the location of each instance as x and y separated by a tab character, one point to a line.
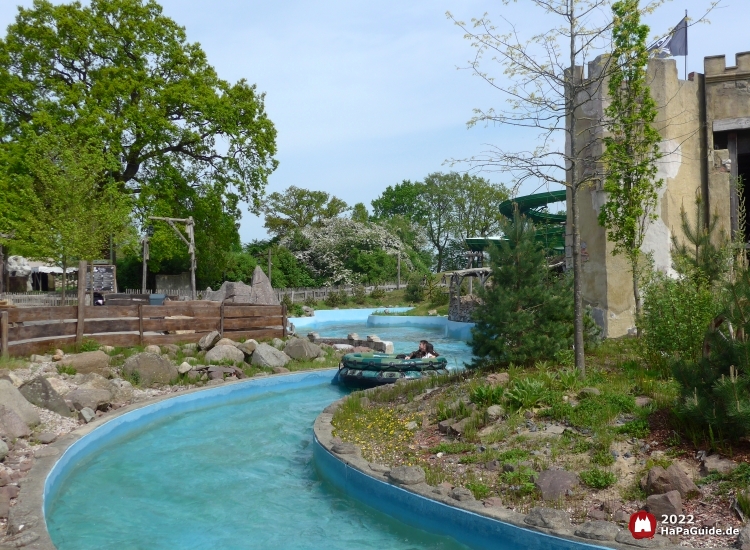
425	351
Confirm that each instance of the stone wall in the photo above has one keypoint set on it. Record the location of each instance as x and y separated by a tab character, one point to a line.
464	312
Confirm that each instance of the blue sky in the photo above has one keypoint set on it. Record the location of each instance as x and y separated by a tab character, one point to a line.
367	94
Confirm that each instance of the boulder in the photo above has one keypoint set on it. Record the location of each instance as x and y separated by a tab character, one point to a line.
597	530
222	352
121	390
153	349
308	311
665	504
660	481
247	347
151	369
12	425
261	291
280	370
743	539
494	412
345	448
60	386
209	340
14	400
184	368
407	475
586	392
226	342
462	494
498	379
714	463
268	356
278	343
459	427
40	358
3	450
45	438
91	398
554	484
88	361
549	518
40	392
86	415
299	348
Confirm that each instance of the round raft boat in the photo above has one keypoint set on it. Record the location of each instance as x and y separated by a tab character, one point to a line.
366	370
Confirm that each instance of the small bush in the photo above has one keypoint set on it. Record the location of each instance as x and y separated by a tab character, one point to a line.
360	296
602	457
65	369
310	301
597	478
453	448
287	301
520	481
478	489
526	393
486	395
414	289
89	345
336	299
636	428
377	293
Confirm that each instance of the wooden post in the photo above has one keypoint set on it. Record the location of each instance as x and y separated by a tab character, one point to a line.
140	323
221	322
4	333
283	319
269	267
81	301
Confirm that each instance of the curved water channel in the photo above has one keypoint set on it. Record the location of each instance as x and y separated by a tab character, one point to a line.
233	470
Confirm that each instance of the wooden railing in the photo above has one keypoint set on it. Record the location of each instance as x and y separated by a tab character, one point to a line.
24	331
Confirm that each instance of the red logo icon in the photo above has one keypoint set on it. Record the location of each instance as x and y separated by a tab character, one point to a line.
642	525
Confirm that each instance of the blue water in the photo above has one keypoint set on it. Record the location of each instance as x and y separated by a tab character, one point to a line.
238	475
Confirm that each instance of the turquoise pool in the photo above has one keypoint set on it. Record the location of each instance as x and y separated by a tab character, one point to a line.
228	469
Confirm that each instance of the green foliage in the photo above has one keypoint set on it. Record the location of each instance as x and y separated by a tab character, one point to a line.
520	481
360	296
65	369
377	293
513	455
595	411
360	213
632	146
486	395
676	313
479	490
89	345
635	428
526	393
337	298
414	289
286	271
527	314
297	208
403	199
602	457
597	478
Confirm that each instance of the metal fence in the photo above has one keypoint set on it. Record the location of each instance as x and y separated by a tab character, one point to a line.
36	299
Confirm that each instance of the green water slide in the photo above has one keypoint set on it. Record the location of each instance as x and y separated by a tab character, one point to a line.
550	228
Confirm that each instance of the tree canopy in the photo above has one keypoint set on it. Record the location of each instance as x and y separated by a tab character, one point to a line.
297	208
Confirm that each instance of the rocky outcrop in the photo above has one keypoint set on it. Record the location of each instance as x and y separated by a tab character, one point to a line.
261	291
150	369
40	392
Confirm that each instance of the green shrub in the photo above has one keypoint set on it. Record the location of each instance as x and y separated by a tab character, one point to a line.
65	369
337	298
486	395
310	301
676	313
360	296
377	293
636	428
521	480
89	345
453	448
478	489
597	478
414	289
526	393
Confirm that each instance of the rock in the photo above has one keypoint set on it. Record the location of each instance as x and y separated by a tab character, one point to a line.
90	398
261	291
121	390
152	349
299	348
643	401
549	518
247	347
226	342
40	392
554	429
4	505
665	504
308	311
743	539
621	516
3	450
344	448
88	361
11	424
346	348
380	468
462	494
56	358
624	537
554	484
40	358
714	463
46	438
659	481
60	386
105	349
597	514
407	475
278	343
86	415
267	356
171	348
498	379
13	399
444	425
184	368
586	392
222	352
459	427
280	370
151	369
597	530
495	412
209	340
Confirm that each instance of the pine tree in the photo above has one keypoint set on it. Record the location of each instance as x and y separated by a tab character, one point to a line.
527	314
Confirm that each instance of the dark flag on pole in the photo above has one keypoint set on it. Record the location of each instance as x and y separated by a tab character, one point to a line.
675	43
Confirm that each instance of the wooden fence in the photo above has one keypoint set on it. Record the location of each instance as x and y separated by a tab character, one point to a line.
24	331
29	299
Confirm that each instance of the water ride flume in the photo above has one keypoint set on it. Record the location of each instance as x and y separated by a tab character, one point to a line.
367	370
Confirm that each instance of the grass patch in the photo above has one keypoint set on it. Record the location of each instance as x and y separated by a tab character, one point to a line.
12	363
597	478
453	448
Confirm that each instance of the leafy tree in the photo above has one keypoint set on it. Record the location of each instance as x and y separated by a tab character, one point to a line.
438	215
403	199
71	208
360	213
298	208
476	202
286	270
632	146
527	314
121	72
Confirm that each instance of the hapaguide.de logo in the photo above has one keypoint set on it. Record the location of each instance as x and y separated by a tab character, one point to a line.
642	525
